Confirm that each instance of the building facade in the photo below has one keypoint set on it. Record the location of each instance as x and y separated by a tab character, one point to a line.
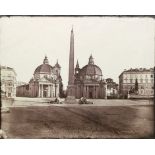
46	82
112	88
86	81
144	78
8	82
19	83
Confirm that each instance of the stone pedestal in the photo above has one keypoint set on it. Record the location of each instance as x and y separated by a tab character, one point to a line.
70	100
71	90
70	95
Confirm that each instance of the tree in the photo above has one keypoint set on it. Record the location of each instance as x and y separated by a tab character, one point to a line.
136	86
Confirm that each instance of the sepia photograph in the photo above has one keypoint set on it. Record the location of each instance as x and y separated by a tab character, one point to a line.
77	77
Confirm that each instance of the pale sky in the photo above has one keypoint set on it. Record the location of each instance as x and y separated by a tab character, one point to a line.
115	43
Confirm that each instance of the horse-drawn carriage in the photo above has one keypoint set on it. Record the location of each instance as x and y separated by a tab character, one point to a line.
56	101
83	100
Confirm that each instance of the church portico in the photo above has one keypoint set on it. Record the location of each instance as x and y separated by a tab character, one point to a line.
90	91
48	90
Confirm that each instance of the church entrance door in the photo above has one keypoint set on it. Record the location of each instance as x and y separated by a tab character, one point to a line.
90	92
45	90
90	95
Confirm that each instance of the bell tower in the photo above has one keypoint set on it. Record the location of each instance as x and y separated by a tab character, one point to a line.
77	69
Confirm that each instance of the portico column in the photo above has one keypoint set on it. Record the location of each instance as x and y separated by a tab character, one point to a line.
39	91
83	91
87	95
86	91
51	91
105	91
97	92
56	90
48	90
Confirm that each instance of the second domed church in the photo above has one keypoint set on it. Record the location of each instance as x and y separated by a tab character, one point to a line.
88	81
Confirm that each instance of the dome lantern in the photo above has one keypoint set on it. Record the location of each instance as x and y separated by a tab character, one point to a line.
91	60
45	60
43	68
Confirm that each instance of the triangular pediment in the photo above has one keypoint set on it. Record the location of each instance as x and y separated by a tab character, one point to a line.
44	79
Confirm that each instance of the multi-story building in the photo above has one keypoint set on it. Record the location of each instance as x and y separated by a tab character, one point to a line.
144	77
112	88
8	81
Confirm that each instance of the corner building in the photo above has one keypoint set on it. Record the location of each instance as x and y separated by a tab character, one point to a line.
145	79
8	82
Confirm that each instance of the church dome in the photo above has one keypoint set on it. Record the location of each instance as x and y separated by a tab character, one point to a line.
44	68
91	69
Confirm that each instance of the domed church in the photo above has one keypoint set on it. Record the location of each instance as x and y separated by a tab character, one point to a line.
46	82
89	82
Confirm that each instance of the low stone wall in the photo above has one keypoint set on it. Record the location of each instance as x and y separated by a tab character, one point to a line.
96	102
7	102
140	96
28	99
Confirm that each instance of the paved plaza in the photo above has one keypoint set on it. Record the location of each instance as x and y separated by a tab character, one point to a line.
25	101
103	119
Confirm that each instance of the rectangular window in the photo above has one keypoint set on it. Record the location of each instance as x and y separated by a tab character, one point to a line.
131	76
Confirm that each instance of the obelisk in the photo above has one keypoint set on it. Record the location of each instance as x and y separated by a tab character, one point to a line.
71	87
